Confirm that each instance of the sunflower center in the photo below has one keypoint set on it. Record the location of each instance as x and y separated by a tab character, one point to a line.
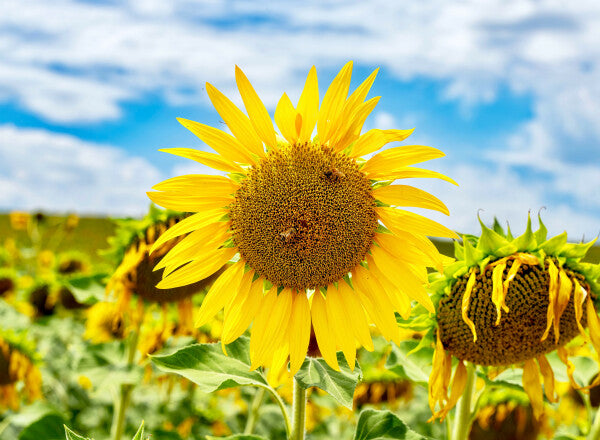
304	216
5	378
518	335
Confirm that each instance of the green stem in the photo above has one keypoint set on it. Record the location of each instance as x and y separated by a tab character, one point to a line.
595	429
298	412
254	410
463	420
277	398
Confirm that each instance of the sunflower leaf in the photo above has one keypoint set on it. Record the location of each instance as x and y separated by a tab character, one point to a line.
238	437
208	367
48	427
338	384
414	366
72	436
374	425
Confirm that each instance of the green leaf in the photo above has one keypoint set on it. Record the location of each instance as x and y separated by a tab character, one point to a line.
373	425
87	289
208	367
72	436
414	367
140	432
49	427
238	437
338	384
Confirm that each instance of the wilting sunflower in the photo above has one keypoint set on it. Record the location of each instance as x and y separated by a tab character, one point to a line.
135	279
510	301
19	377
311	227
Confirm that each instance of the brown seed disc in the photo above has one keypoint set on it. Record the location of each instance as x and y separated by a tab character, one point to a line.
304	216
6	285
518	336
5	378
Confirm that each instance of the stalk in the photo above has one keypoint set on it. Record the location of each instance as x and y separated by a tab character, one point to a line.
254	410
298	412
594	433
463	419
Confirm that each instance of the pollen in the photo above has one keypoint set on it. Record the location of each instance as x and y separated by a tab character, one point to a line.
520	333
304	217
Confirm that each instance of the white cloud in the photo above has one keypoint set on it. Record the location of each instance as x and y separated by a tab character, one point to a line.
59	173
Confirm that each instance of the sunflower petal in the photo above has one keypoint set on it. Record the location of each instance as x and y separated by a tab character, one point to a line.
356	315
238	122
258	336
341	326
299	331
410	173
223	143
333	102
399	157
220	293
498	292
578	298
211	160
465	304
548	376
562	299
323	330
352	133
552	294
286	117
259	117
242	309
308	105
398	220
398	298
188	203
205	185
374	139
533	387
406	195
593	324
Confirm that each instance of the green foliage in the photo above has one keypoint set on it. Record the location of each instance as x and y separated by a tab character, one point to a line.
374	425
411	364
338	384
238	437
74	436
48	427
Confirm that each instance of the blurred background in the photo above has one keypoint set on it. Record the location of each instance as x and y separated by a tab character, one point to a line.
510	90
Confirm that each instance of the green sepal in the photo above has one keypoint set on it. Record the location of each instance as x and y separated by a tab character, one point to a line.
471	254
459	251
490	241
527	241
509	235
237	177
498	227
554	245
576	250
542	233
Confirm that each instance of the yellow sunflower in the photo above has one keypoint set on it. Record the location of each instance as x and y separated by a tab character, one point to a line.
510	301
312	228
19	377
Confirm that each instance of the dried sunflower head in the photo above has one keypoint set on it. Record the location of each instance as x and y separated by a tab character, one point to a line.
509	301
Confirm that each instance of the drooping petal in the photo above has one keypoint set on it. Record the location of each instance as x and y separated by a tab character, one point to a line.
356	314
562	299
299	331
197	270
405	221
459	381
406	195
308	105
548	376
340	325
374	139
579	295
259	117
498	292
593	324
465	304
323	330
220	293
223	143
216	161
333	102
238	122
552	294
287	119
533	387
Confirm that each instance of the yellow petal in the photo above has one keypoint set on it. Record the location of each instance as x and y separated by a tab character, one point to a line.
323	330
211	160
352	133
533	387
240	312
578	297
188	203
275	329
197	270
406	195
399	300
308	105
465	304
563	355
259	117
548	376
333	102
299	331
404	250
398	221
188	224
437	390
238	123
552	294
374	139
358	96
277	374
356	314
220	293
512	272
340	325
409	173
593	324
399	157
286	118
199	185
258	334
562	299
376	303
498	291
223	143
459	381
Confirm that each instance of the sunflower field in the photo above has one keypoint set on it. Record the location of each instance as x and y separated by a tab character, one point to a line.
290	296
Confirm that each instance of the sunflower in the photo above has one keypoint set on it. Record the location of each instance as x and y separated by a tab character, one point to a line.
19	377
103	323
134	277
312	228
510	301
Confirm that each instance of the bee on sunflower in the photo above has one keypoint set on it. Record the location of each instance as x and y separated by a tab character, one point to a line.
315	234
509	302
19	375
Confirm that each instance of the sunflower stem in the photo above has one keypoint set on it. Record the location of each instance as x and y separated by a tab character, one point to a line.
254	410
463	419
594	433
298	412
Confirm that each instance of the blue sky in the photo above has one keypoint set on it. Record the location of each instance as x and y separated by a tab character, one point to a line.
89	91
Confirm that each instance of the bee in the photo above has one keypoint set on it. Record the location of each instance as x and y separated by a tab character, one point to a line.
334	175
288	235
